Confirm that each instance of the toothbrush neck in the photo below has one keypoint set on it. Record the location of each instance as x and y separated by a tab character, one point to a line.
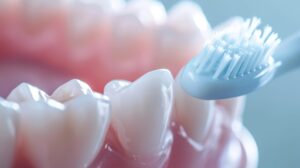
288	53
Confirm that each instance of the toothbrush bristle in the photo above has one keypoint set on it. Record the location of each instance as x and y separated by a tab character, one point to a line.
238	51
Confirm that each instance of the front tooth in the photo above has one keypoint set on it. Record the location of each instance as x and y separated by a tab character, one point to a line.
194	115
234	107
231	24
35	10
86	16
64	135
133	29
148	12
141	111
71	89
8	131
183	35
187	17
26	92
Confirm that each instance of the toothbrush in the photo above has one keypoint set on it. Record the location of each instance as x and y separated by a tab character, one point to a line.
238	60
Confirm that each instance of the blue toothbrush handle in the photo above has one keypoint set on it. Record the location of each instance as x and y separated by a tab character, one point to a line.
288	53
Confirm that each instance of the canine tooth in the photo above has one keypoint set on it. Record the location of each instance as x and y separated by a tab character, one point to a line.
148	12
188	17
141	111
71	89
234	107
231	24
8	131
194	115
138	16
64	135
182	36
26	92
87	15
133	31
34	9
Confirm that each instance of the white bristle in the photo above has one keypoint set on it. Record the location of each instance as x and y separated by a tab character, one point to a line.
218	54
233	63
199	59
255	22
267	32
244	65
237	67
201	65
239	51
224	62
253	62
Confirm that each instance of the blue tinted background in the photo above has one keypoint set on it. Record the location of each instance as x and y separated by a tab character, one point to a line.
273	112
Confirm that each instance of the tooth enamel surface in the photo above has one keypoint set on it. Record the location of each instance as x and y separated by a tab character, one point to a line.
182	36
148	12
137	17
193	114
188	17
71	89
230	24
141	111
26	92
8	131
65	135
34	8
86	16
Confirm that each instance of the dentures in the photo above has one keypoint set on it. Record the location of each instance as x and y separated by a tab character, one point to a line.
65	129
133	125
143	121
90	37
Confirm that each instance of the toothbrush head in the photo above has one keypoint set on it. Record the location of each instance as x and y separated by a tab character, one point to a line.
236	61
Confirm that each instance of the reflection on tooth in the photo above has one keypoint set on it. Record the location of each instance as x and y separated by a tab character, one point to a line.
194	115
183	35
33	9
8	129
234	107
188	17
141	111
65	135
111	5
139	16
148	12
230	25
71	89
86	15
26	92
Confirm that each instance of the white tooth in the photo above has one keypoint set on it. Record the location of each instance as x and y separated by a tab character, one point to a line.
194	115
234	107
137	17
141	111
231	24
88	14
66	135
34	9
70	90
26	92
183	35
8	131
188	18
148	12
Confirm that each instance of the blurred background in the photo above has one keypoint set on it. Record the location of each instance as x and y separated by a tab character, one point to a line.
272	113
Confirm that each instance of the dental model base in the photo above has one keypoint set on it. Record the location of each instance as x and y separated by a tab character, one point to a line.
238	60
